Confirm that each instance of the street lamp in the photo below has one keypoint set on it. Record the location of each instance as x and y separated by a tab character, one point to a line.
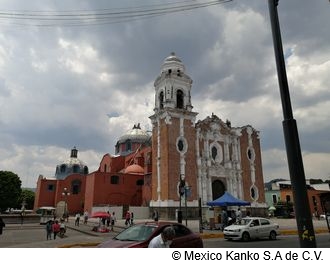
66	193
296	167
182	185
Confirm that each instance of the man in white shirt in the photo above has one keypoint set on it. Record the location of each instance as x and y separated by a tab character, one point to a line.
164	239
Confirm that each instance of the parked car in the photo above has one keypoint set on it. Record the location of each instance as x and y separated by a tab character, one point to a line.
251	228
139	236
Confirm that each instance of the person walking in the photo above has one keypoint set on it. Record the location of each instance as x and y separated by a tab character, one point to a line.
49	229
2	225
77	219
85	217
128	218
113	220
56	228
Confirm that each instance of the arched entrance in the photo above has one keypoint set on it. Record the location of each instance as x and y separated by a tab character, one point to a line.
218	189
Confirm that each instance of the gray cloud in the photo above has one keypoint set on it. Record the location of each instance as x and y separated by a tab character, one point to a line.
84	86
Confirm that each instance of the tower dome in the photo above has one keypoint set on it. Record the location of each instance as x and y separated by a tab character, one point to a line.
173	64
72	165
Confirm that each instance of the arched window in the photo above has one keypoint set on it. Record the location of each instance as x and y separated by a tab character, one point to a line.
85	170
128	145
179	99
161	100
75	169
63	168
76	187
214	153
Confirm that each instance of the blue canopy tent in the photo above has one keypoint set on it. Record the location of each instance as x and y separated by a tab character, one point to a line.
227	200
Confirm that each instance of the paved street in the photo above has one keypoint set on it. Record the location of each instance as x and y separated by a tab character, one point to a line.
34	235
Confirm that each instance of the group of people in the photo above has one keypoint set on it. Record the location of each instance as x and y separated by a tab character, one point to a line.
229	217
54	228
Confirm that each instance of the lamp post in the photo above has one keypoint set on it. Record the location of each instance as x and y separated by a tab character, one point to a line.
182	184
296	168
66	193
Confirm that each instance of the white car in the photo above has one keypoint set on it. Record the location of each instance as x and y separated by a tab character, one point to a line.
251	228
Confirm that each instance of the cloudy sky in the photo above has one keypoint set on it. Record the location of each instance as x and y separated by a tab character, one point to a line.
81	73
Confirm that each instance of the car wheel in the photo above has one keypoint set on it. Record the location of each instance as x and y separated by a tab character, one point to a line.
245	237
272	235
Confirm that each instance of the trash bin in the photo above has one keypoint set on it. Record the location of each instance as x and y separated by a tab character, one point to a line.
180	216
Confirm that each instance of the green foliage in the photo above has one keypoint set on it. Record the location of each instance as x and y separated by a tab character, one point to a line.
28	197
10	190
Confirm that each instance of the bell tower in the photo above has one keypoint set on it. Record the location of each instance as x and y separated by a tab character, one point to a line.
173	139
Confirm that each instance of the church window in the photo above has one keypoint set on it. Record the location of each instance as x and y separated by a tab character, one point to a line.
214	152
161	100
179	99
51	187
128	145
140	182
114	180
251	154
105	168
75	169
85	170
254	192
180	145
63	168
76	187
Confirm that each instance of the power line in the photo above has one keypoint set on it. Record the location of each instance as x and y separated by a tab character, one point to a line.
99	16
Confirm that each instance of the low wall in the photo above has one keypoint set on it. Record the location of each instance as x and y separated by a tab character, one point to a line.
18	219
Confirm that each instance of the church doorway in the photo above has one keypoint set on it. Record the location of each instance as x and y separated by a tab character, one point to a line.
218	189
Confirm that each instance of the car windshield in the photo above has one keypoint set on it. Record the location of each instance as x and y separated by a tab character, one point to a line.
136	233
243	221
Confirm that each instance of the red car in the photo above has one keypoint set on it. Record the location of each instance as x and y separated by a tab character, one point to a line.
141	234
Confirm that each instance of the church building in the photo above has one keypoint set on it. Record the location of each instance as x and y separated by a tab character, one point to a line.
184	162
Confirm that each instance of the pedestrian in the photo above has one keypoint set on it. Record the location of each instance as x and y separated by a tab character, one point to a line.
164	239
108	219
56	228
85	217
132	218
127	218
155	215
77	219
238	214
113	220
49	229
2	225
224	218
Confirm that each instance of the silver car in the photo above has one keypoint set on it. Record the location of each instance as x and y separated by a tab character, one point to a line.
251	228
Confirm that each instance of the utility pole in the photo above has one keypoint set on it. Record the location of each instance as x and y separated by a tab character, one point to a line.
296	168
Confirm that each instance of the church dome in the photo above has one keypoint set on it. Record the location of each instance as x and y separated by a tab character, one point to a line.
134	169
72	165
132	140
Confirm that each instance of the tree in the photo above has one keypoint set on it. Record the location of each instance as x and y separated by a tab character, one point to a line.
10	190
27	196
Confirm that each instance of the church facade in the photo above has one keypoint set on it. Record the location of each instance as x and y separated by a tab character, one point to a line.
205	158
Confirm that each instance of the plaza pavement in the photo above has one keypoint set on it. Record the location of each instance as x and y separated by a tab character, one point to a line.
91	238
